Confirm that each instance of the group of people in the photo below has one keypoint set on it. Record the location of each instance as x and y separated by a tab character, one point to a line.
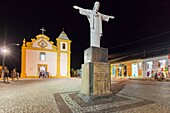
43	74
6	74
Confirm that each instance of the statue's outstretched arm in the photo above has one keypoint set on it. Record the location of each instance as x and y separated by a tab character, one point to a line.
76	7
112	17
82	11
106	17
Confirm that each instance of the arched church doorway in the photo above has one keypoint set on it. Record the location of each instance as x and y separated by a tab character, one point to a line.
42	67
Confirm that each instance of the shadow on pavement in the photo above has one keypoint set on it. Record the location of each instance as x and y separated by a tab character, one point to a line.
117	87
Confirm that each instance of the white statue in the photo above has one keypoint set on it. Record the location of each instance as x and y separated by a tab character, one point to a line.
95	18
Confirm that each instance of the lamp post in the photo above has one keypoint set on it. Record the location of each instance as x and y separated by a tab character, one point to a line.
4	51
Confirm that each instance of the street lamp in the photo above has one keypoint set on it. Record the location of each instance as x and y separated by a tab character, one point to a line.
5	51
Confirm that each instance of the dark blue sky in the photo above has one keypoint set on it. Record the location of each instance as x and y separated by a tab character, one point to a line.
134	20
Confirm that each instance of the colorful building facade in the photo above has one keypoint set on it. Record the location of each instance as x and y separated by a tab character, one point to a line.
155	65
129	69
141	68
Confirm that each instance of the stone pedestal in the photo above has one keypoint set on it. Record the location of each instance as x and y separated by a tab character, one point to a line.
96	80
96	54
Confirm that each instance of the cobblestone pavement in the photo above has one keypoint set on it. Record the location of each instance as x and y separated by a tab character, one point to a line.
60	96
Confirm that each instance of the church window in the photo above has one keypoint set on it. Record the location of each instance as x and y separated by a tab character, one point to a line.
42	56
64	46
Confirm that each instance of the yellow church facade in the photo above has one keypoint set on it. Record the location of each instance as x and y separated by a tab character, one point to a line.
42	55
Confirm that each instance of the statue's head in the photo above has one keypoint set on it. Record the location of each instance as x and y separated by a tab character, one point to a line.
96	6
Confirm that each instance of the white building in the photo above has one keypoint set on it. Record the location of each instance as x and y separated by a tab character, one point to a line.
41	55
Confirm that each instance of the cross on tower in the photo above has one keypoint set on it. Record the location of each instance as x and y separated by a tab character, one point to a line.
42	29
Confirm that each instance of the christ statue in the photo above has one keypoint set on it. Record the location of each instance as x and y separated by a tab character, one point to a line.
95	19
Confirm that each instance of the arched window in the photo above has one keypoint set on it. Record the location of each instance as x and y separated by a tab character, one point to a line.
64	46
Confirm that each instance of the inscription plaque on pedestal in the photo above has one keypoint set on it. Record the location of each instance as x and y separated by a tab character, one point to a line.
96	79
101	79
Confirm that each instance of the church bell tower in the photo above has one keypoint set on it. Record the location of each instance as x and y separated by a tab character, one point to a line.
64	51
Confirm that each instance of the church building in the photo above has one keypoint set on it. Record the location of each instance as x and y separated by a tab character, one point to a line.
42	55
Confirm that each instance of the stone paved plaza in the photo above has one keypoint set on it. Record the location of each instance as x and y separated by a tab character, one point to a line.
60	96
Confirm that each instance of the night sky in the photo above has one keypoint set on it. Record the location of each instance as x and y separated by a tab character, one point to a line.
134	21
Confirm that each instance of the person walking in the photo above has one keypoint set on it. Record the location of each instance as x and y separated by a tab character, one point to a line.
6	74
17	76
14	74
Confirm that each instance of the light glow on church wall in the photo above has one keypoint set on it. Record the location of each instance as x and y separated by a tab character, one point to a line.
33	59
52	63
63	64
